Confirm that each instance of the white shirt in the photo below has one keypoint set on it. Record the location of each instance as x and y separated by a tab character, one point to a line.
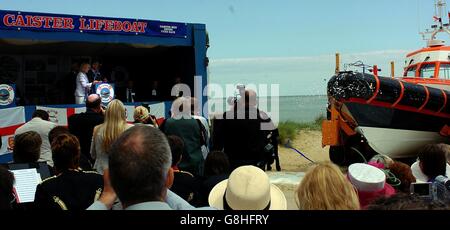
205	149
83	85
42	128
420	176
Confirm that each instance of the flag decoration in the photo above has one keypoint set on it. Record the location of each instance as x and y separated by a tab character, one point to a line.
10	120
13	118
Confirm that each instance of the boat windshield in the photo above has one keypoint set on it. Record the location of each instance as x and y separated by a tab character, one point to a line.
444	71
411	72
427	71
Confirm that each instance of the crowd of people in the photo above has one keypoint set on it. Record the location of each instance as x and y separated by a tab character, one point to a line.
102	162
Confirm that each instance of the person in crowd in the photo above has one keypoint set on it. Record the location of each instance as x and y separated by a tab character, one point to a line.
7	197
248	188
243	132
140	172
176	91
400	173
156	94
182	124
60	130
82	125
71	188
83	86
27	147
370	182
432	163
40	123
203	124
137	143
448	157
130	92
403	172
105	134
217	169
184	184
142	116
403	201
317	190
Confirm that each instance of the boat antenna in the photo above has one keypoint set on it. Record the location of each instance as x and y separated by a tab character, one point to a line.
440	26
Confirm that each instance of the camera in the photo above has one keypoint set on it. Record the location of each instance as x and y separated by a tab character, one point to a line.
423	190
439	190
240	93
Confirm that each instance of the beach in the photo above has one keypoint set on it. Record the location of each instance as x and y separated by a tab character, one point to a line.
294	165
309	143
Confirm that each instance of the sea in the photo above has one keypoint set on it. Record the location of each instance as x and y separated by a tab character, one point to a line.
290	108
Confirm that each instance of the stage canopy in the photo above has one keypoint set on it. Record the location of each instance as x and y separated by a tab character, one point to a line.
38	50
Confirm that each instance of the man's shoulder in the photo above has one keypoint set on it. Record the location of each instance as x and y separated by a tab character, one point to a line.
81	177
86	116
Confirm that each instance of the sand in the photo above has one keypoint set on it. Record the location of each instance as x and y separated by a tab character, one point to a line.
294	165
310	144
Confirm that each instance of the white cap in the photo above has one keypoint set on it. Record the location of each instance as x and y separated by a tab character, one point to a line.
366	178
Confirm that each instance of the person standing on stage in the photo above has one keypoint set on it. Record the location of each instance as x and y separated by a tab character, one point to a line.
83	86
94	72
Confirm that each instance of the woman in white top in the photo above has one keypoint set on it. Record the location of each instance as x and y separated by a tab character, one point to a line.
105	134
83	85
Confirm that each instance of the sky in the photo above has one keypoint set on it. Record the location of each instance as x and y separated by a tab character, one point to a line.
287	42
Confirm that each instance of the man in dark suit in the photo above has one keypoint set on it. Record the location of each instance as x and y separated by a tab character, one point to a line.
242	133
82	125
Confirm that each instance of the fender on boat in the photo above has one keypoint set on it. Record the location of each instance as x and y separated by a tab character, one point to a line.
389	92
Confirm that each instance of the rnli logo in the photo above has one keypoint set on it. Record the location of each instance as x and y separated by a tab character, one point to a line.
53	115
106	92
6	95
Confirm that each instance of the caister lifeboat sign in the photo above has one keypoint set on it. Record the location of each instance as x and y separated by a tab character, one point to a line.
70	23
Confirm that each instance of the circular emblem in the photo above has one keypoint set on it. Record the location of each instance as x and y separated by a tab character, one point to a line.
6	95
106	92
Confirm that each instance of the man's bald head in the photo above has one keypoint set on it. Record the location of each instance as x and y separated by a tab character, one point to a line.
139	162
250	98
94	102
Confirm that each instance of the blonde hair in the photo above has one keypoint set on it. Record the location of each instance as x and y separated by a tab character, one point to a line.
115	123
141	113
325	187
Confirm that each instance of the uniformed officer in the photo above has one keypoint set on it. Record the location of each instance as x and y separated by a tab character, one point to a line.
71	188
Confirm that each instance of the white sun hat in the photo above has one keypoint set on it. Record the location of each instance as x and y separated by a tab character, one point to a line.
366	178
248	188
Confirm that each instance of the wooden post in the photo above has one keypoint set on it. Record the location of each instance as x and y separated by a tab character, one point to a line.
392	69
338	63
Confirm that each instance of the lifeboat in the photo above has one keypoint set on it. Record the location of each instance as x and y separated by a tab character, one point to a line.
395	116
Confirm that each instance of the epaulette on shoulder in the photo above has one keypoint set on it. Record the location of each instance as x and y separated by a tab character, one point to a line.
50	178
91	172
190	174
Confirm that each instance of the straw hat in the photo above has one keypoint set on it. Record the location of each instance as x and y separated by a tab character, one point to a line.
248	188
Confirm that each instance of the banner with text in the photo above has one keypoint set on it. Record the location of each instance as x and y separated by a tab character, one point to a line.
87	24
